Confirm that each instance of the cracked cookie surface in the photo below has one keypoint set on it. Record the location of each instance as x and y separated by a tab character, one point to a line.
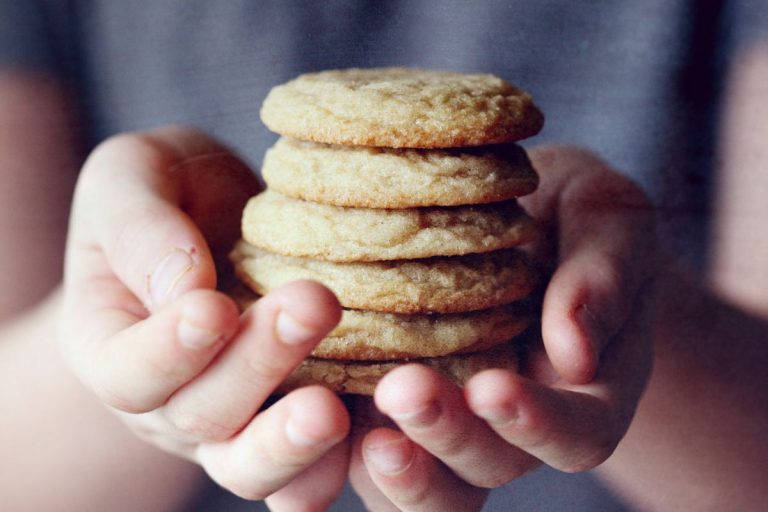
293	227
440	284
361	378
373	336
370	177
400	107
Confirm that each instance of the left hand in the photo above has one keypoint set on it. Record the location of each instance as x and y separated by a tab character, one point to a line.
581	387
144	329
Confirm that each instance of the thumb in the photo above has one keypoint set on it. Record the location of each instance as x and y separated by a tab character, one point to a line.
137	208
605	253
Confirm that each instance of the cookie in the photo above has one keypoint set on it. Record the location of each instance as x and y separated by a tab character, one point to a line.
371	177
293	227
373	336
441	284
361	378
398	107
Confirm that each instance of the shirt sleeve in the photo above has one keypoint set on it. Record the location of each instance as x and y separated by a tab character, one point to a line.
26	41
748	22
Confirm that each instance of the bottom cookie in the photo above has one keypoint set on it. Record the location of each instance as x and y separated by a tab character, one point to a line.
360	378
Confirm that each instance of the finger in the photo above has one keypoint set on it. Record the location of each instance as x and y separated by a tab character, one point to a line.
317	486
360	479
570	427
134	365
605	228
278	444
214	186
366	417
277	333
129	217
412	479
431	411
568	430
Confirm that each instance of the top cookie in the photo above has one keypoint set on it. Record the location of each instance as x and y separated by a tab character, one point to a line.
401	108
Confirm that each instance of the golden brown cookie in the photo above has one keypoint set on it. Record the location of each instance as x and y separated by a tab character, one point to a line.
293	227
361	378
371	177
400	107
442	284
373	336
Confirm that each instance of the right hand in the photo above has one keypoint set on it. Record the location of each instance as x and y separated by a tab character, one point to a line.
146	331
574	404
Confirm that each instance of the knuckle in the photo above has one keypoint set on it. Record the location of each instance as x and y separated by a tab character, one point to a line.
107	380
257	371
281	456
451	444
119	400
198	427
167	372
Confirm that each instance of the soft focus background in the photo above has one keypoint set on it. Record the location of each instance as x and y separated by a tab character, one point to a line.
637	82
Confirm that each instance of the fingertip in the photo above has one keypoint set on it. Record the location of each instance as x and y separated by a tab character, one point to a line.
315	488
308	302
316	416
138	368
496	395
279	444
208	311
408	392
405	476
490	386
180	270
569	430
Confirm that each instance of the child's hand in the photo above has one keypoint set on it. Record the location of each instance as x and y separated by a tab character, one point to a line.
145	330
585	380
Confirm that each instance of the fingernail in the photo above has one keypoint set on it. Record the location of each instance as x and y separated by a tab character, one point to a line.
168	274
292	332
423	417
299	438
499	416
194	337
392	457
590	326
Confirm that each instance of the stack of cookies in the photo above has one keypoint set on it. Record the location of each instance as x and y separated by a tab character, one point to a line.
396	189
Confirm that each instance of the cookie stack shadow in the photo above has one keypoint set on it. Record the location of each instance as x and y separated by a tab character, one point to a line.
397	188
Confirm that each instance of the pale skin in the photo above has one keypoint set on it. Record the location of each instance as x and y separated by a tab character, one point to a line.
709	385
45	433
194	349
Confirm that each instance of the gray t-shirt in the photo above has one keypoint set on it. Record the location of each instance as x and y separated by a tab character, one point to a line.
638	82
